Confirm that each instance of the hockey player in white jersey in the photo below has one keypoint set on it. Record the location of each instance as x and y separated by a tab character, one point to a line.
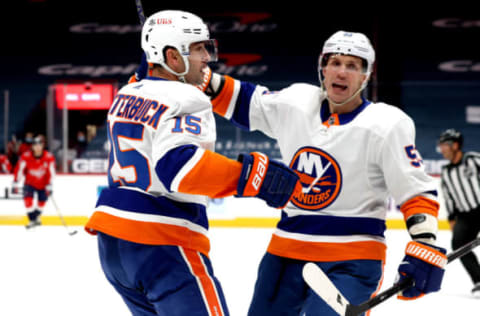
151	220
350	154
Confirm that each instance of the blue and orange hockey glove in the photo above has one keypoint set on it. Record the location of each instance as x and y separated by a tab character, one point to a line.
269	180
425	265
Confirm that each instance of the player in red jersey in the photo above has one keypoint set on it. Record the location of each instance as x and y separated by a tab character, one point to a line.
5	165
35	169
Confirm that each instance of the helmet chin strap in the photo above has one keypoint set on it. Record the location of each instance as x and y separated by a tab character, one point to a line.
347	100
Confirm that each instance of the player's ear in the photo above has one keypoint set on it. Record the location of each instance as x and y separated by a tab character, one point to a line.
174	60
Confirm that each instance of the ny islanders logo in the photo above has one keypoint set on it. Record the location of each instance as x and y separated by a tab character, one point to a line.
320	176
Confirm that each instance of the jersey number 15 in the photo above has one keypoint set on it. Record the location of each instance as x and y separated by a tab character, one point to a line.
127	158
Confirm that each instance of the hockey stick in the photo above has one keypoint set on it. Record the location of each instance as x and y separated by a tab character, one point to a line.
141	14
70	232
323	287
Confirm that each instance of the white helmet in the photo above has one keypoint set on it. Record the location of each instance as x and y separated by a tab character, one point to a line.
348	43
177	29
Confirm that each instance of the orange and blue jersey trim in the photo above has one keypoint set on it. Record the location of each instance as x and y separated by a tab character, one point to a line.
327	251
193	170
222	102
329	238
145	219
330	119
233	101
168	167
212	175
332	225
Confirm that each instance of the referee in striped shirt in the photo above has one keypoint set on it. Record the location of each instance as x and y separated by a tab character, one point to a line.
460	181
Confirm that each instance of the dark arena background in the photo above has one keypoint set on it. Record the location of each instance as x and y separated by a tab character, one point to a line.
427	62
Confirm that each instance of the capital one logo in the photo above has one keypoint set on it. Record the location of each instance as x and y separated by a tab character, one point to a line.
320	176
233	22
465	65
239	22
240	65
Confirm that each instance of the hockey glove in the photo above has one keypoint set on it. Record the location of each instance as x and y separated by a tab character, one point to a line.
212	83
141	71
49	190
269	180
15	188
425	265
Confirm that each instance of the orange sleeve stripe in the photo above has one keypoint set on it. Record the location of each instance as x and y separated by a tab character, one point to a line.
222	100
325	251
206	284
147	232
419	204
214	175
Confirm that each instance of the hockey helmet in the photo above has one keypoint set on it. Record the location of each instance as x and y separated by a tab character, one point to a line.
348	43
451	135
177	29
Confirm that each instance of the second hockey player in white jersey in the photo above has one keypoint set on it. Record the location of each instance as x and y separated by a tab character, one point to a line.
350	154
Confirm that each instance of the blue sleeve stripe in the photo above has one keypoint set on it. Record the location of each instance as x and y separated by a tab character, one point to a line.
171	163
332	225
240	116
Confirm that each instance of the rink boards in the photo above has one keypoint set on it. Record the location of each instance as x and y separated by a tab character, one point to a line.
76	196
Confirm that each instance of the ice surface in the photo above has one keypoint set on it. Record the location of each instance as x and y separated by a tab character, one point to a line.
47	272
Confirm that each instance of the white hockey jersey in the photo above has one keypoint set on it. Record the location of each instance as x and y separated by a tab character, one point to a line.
162	166
348	165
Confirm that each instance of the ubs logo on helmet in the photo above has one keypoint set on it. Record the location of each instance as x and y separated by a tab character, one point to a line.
320	176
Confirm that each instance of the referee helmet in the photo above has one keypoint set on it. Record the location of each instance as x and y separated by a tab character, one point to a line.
451	135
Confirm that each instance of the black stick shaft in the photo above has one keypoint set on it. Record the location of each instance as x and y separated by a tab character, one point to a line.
141	14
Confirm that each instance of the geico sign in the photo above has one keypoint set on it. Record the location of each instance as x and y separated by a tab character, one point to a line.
87	70
456	23
89	166
88	28
460	66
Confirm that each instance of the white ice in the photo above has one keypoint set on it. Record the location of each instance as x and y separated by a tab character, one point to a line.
49	273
